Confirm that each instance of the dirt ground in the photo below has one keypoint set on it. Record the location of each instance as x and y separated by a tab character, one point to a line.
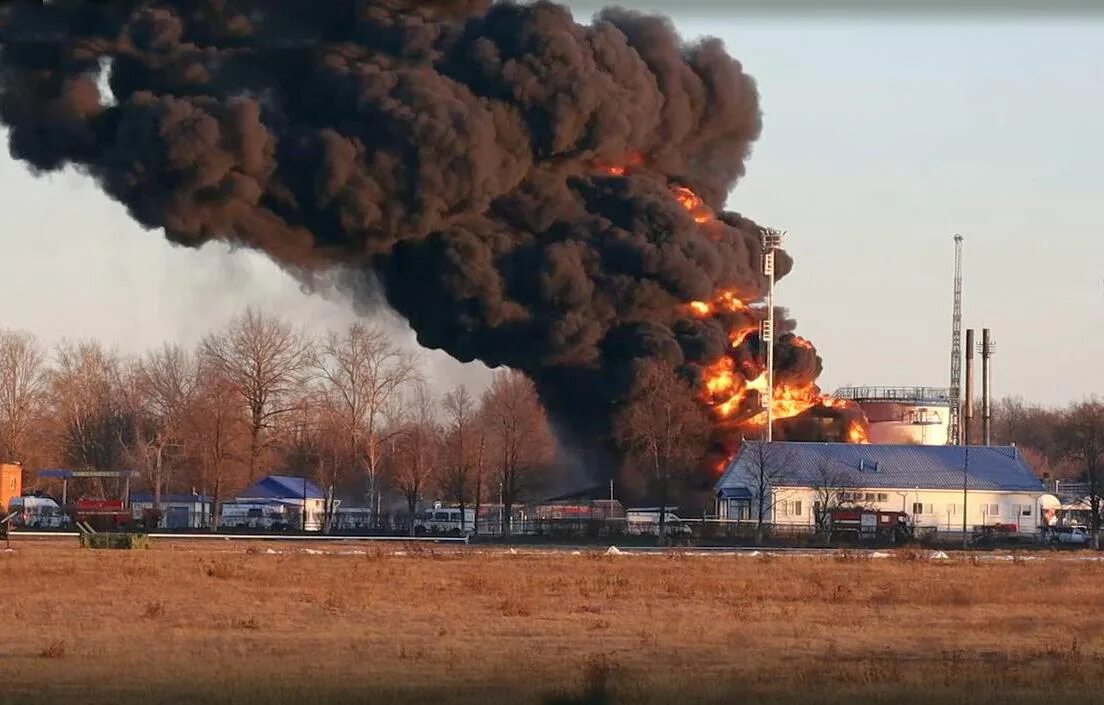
269	623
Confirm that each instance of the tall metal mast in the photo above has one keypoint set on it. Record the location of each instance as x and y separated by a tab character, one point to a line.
954	436
772	240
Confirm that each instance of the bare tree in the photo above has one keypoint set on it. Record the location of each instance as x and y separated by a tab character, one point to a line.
215	430
767	466
84	387
828	487
362	373
264	358
479	468
22	390
461	441
663	430
418	450
158	391
1083	437
519	435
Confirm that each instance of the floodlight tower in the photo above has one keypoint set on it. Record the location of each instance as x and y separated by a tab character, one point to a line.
954	422
772	240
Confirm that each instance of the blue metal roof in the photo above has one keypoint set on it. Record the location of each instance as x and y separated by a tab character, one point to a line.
281	487
881	466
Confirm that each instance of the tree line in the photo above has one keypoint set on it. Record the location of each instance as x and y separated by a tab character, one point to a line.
349	409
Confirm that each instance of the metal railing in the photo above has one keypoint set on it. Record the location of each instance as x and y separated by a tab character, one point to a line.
915	395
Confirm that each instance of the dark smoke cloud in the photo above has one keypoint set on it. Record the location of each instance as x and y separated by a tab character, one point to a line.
448	149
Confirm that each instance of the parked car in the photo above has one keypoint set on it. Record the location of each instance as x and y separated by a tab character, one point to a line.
645	522
1075	535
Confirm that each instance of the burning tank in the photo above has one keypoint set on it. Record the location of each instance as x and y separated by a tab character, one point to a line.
912	415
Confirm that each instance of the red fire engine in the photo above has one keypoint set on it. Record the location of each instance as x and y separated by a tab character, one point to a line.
108	515
870	524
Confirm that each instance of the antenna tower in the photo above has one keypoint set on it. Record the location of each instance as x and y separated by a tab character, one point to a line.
954	425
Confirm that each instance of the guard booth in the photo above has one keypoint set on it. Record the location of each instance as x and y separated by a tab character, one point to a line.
11	485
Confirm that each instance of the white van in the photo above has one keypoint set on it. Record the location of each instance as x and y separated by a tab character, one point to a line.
444	521
37	513
257	515
645	522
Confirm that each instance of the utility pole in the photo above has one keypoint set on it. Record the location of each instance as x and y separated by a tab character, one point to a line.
772	240
954	434
965	494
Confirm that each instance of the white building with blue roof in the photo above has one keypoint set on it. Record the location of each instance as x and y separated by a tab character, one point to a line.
934	485
277	500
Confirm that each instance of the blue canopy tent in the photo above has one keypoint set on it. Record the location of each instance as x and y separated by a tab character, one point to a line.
65	474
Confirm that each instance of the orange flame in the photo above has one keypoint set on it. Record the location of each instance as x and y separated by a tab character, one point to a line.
737	336
631	160
700	309
693	204
728	390
856	433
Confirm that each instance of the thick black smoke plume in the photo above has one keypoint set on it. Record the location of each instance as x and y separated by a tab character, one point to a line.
455	151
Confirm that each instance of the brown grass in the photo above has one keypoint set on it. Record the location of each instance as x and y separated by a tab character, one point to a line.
433	625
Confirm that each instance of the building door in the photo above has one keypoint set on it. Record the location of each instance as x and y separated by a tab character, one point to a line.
177	518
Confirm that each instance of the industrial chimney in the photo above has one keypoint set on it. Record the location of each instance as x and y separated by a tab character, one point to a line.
986	389
968	403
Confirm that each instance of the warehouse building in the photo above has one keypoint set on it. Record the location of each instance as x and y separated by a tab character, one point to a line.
178	511
794	481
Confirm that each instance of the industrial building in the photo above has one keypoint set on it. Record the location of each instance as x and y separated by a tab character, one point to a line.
926	482
178	511
903	415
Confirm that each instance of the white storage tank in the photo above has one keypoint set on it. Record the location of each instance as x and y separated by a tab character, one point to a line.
908	415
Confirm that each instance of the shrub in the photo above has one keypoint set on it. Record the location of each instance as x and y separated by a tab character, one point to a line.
114	541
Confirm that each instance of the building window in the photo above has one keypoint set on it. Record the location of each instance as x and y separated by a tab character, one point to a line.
922	508
952	509
883	497
1026	510
790	508
992	510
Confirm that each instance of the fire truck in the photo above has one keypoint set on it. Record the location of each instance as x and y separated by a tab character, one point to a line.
870	525
109	515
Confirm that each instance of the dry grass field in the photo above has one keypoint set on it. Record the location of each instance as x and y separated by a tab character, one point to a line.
239	625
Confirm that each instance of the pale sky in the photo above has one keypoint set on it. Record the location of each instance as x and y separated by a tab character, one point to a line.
882	138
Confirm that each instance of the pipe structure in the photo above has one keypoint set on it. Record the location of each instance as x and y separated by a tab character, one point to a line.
968	403
986	387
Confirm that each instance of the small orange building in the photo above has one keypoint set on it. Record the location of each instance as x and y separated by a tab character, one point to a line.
11	484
